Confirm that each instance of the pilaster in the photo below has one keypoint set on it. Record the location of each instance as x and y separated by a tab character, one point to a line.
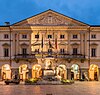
81	43
69	44
85	44
30	51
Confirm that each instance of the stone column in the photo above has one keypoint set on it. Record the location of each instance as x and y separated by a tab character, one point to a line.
30	43
81	43
69	38
17	44
85	44
44	39
14	42
55	38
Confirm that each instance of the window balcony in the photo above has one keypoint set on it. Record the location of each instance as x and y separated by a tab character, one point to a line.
24	56
64	55
78	56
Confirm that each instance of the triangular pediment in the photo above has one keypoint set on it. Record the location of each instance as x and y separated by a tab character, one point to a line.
50	18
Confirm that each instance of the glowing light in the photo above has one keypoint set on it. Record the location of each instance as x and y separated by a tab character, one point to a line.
6	67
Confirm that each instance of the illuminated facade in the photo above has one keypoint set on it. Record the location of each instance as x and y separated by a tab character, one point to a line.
50	44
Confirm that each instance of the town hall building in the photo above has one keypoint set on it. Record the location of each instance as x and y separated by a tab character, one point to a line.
50	43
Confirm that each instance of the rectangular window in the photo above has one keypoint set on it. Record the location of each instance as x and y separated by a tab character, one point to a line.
6	52
6	36
49	51
74	36
36	50
93	36
62	36
36	36
24	51
75	51
49	36
62	51
93	52
24	36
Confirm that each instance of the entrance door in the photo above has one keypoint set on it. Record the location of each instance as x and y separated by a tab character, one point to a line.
6	72
36	71
75	72
23	71
93	72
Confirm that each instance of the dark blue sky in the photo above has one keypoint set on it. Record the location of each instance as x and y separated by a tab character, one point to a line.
87	11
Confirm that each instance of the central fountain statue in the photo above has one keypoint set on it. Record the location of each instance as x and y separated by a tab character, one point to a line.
49	70
48	64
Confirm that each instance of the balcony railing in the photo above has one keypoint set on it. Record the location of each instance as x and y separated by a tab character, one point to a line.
25	56
71	56
52	54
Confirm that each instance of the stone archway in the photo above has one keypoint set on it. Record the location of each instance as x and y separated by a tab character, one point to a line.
23	71
93	72
6	71
75	72
61	72
36	71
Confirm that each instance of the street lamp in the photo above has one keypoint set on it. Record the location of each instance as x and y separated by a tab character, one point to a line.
8	24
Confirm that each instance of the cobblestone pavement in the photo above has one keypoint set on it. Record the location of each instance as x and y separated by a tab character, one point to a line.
78	88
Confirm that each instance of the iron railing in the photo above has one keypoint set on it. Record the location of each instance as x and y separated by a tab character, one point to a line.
53	55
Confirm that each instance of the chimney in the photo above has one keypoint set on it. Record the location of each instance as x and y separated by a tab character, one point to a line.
7	23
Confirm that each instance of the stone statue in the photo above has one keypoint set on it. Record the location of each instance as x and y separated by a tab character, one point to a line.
48	64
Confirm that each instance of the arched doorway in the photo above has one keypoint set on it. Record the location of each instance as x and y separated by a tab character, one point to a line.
6	71
61	72
36	71
93	72
75	72
23	72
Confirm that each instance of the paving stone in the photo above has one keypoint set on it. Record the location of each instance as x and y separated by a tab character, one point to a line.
78	88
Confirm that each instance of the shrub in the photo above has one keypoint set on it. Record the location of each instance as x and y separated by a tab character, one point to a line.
67	81
31	80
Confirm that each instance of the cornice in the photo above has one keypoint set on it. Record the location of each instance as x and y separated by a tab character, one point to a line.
84	28
67	28
5	40
4	29
94	29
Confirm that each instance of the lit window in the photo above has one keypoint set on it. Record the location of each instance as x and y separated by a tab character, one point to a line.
62	51
93	52
6	36
24	36
6	52
74	36
62	36
49	36
93	36
74	51
36	36
50	51
24	51
37	50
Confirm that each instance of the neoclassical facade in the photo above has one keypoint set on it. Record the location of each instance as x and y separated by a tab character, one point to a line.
50	43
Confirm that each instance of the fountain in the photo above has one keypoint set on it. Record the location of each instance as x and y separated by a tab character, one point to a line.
49	71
